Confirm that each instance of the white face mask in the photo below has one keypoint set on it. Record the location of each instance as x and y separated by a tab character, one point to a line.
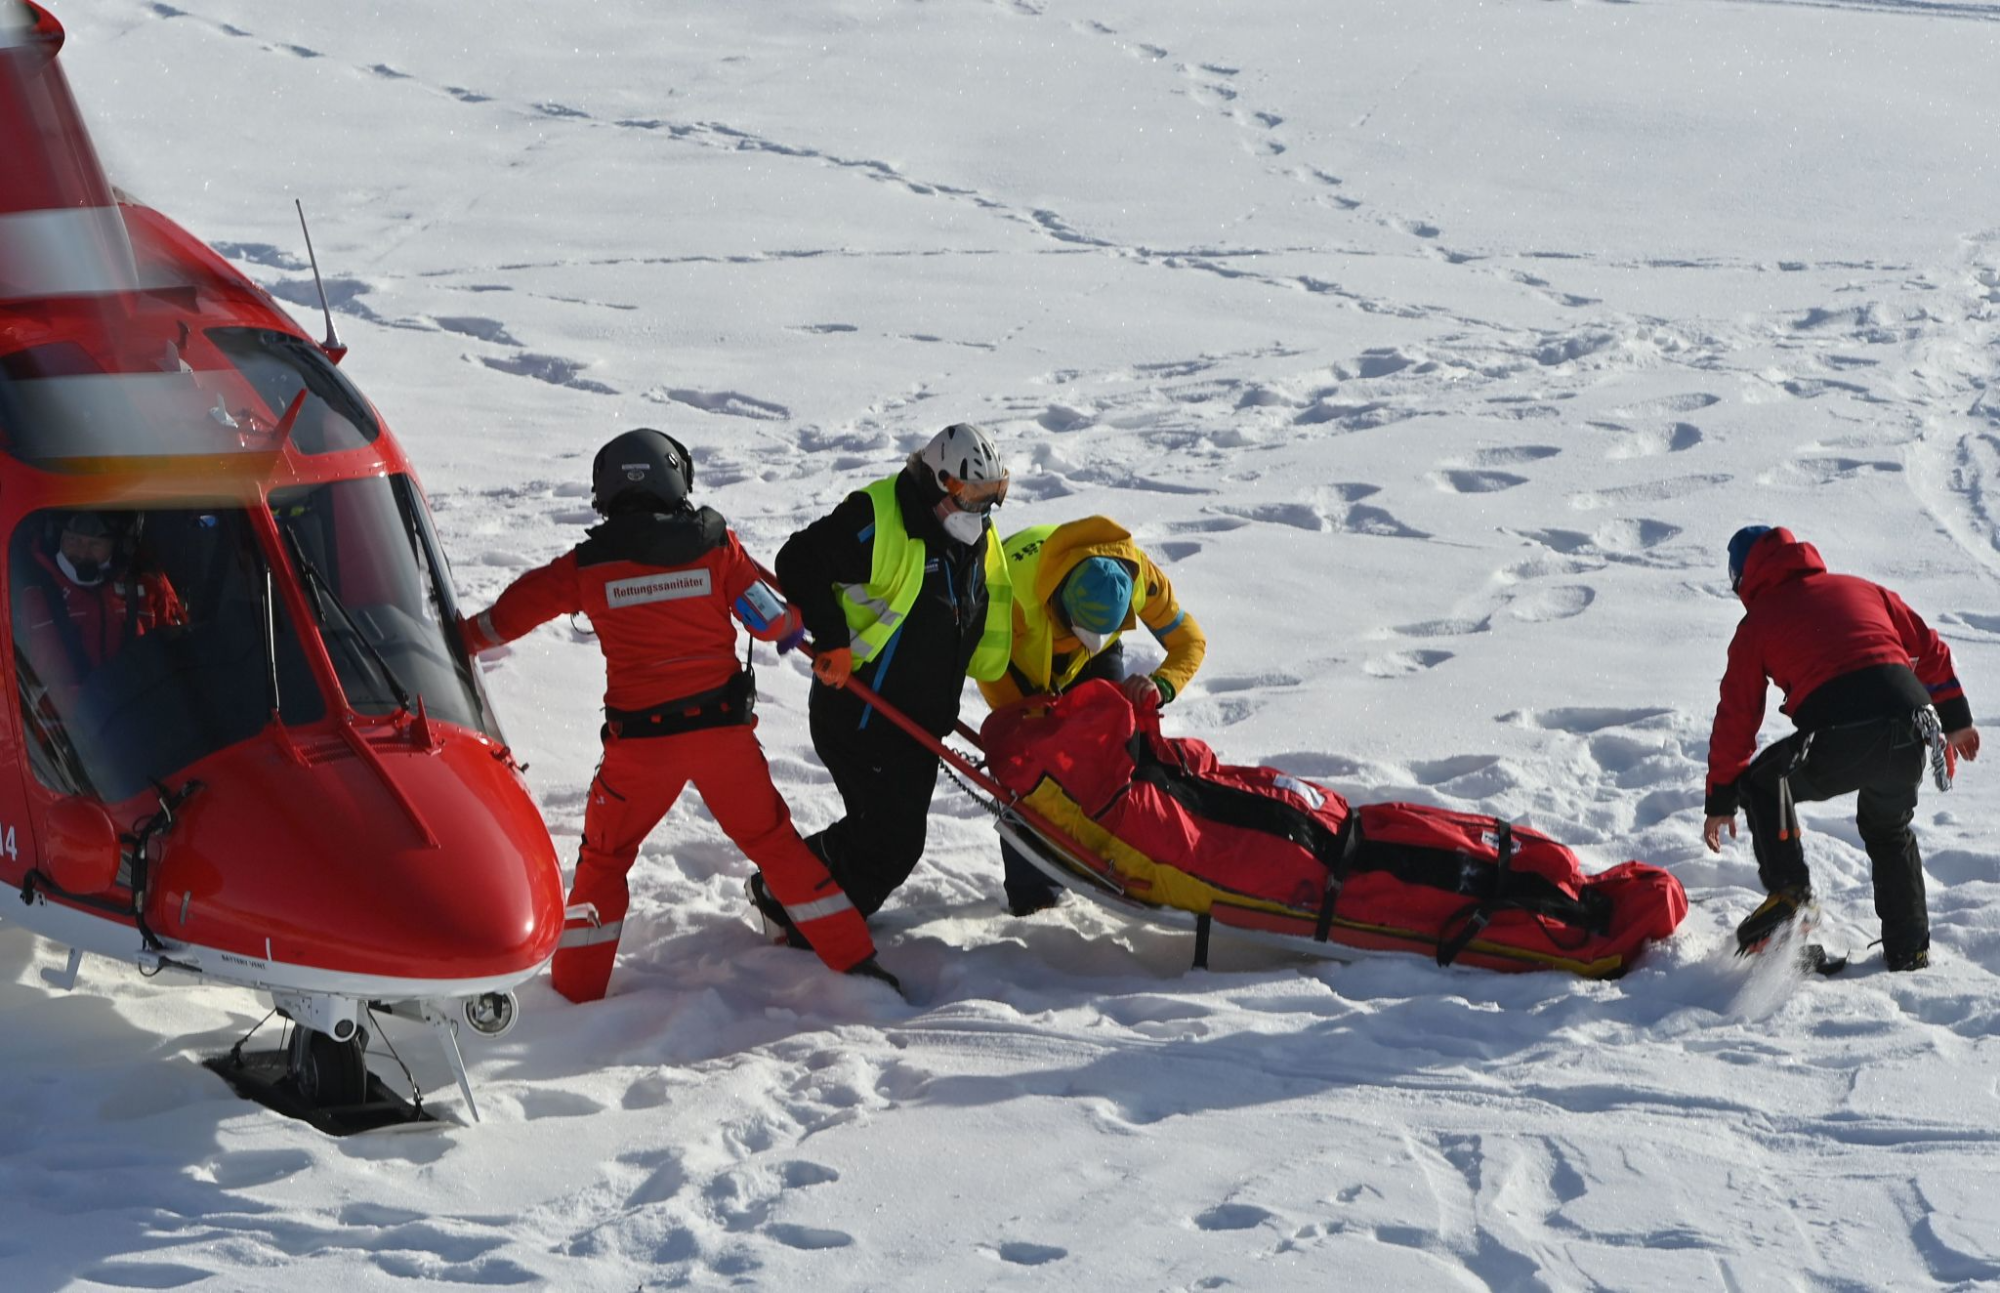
964	527
89	578
1092	642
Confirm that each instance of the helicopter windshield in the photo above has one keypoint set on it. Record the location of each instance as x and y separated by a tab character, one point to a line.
373	574
226	390
145	640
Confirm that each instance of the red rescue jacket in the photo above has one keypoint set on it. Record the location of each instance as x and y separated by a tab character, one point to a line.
1802	628
101	617
662	593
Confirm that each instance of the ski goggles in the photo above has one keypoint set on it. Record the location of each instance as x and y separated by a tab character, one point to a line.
977	496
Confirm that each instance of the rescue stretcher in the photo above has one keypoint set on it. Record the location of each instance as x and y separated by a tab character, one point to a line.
1158	830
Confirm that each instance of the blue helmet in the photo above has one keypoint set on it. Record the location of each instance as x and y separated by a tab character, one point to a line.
1740	544
1097	595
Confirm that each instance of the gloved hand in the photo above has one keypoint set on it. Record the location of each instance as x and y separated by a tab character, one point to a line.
786	630
473	640
1964	743
834	666
1142	691
872	969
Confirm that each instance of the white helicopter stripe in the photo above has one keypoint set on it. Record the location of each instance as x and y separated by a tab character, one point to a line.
94	934
78	251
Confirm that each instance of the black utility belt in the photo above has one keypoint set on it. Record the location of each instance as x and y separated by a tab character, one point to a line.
733	703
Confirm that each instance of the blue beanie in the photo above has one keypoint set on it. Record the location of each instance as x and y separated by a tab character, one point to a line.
1740	544
1097	594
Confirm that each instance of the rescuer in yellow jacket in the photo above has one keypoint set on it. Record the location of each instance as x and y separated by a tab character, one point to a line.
1078	587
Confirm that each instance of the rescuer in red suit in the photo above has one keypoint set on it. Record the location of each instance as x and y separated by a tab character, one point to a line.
1861	673
103	606
663	583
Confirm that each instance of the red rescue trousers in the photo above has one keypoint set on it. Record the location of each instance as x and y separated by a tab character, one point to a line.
636	784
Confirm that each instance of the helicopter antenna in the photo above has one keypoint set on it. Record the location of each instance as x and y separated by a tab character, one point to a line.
332	345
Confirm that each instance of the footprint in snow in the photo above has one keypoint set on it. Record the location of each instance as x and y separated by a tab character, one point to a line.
548	368
1436	772
800	1174
1824	471
1635	534
728	403
1300	516
663	1177
1510	455
1649	442
1581	720
1209	525
144	1275
1651	491
1399	663
809	1238
1477	482
1233	1216
1060	417
1022	1254
1251	682
1667	405
1443	628
482	329
1544	605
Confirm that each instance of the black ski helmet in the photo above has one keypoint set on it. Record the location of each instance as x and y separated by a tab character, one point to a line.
641	464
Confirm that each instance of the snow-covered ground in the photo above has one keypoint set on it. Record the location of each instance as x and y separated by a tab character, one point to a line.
1435	348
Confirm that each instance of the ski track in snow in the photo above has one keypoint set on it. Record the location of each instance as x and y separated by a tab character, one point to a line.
1451	508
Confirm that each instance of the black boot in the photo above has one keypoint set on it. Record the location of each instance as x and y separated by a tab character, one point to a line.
1772	915
1905	959
777	921
1028	890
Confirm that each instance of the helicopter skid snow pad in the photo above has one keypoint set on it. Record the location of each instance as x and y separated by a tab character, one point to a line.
265	1077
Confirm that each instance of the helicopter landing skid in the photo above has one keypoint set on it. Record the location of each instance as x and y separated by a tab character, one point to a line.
266	1077
319	1079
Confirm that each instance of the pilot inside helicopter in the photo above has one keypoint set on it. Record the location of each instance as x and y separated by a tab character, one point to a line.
83	602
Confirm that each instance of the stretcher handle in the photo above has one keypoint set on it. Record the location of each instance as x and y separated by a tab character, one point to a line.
973	772
964	729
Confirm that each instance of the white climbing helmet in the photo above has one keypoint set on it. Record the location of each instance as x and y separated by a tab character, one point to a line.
962	462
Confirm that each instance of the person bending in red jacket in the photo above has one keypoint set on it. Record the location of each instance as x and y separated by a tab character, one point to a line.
663	583
1860	672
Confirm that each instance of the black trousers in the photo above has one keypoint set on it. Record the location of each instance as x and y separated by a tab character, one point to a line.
1881	759
1025	884
885	781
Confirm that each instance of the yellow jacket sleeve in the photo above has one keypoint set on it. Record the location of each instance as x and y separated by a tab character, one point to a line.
1174	628
1000	691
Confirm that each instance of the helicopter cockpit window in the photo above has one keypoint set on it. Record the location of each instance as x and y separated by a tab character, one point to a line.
145	640
294	380
372	571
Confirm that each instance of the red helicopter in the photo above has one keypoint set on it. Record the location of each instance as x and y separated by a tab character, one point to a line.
241	741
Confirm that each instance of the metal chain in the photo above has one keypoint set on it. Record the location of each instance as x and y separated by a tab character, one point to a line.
993	806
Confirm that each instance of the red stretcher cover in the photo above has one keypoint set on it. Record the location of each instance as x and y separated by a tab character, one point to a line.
1259	849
